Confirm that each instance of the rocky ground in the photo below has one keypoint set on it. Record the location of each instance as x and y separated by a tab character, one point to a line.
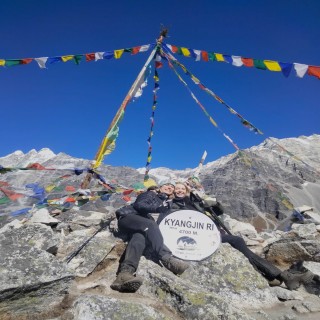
38	282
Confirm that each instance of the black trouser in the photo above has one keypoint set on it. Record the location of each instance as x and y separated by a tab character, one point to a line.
269	271
145	233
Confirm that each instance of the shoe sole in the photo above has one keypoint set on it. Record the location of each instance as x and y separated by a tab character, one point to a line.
129	286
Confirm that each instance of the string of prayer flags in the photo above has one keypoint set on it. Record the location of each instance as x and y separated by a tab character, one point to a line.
286	68
245	122
108	142
169	60
76	58
154	106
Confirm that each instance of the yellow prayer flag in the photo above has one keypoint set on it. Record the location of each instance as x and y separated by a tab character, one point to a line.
148	183
149	158
185	52
49	188
67	58
272	65
213	122
287	204
195	80
118	53
2	62
219	57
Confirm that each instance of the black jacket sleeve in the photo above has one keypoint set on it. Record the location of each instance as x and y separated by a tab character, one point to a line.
147	202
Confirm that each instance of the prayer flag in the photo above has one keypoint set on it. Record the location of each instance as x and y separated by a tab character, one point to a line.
227	58
108	55
10	63
198	54
248	62
90	56
286	68
144	48
135	50
185	52
2	62
66	58
272	65
204	55
26	60
52	60
259	64
219	57
301	69
41	62
98	55
118	53
314	71
236	61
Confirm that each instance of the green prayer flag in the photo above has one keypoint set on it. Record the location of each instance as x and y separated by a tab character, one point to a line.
259	64
10	63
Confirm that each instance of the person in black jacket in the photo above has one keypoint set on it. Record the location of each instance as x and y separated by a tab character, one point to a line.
136	221
182	201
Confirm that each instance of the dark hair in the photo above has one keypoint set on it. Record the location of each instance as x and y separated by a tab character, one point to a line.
152	188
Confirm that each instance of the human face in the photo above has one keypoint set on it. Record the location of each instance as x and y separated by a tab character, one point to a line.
180	190
168	189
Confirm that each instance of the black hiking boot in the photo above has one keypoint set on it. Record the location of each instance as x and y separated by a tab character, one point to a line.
293	279
173	264
126	281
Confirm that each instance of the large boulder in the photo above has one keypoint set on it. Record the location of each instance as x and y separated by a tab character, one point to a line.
31	280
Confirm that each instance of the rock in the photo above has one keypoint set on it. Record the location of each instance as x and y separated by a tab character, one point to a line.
183	295
228	273
284	294
305	231
240	228
15	224
31	280
43	216
285	252
91	254
36	234
95	307
89	218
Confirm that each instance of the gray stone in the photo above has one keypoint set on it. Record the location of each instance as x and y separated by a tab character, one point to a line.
42	216
305	231
284	294
31	280
36	234
94	307
91	254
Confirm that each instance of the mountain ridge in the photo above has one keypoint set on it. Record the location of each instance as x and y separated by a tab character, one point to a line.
260	185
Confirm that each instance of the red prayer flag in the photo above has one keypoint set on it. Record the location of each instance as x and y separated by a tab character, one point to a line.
314	71
174	49
204	56
248	62
26	61
11	195
70	188
126	198
126	192
36	166
90	56
135	50
158	64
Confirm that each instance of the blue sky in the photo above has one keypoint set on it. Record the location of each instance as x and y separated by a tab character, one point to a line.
69	107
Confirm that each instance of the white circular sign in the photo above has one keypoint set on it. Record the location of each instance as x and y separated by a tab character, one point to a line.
190	235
